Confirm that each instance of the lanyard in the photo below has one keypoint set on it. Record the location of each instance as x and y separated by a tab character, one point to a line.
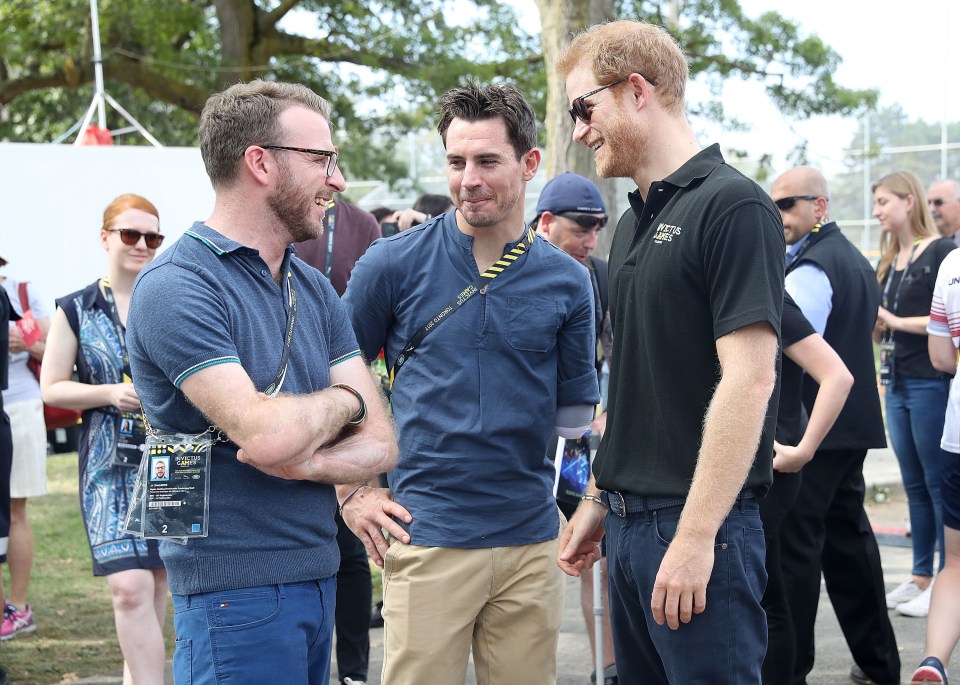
331	226
121	330
808	240
479	285
274	387
889	279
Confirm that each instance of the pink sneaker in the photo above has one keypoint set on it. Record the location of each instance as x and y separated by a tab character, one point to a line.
16	621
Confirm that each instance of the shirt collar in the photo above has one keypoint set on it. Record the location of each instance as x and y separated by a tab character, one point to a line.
697	167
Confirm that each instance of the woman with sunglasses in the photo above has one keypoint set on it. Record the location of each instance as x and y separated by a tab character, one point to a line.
88	332
916	392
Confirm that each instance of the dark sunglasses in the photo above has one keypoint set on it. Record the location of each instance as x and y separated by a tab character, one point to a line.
131	236
587	221
787	203
581	110
937	202
331	156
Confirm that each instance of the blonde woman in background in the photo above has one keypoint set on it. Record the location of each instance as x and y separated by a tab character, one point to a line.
88	332
916	392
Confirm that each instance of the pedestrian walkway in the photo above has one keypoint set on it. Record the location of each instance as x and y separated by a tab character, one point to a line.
881	475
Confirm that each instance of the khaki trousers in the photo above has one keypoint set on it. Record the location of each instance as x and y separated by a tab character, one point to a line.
505	602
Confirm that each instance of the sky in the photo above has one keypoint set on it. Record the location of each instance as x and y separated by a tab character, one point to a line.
909	51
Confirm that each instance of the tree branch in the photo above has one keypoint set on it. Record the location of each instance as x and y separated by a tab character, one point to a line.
272	18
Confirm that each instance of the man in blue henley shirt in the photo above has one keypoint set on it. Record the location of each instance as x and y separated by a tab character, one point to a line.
475	405
211	329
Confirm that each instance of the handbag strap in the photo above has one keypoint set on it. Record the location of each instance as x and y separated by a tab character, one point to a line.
24	299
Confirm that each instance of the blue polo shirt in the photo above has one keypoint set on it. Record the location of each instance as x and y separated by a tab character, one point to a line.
209	300
476	403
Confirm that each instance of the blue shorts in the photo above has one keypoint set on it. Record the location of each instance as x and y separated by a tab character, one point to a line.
950	491
263	634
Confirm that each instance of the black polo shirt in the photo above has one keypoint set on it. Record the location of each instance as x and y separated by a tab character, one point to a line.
705	258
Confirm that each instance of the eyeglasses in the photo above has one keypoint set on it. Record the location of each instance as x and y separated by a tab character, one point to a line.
937	202
131	236
331	156
587	221
581	110
787	203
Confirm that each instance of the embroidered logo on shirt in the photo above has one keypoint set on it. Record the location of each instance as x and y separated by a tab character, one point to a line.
665	233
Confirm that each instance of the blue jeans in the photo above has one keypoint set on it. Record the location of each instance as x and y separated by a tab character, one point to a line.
725	644
270	633
915	412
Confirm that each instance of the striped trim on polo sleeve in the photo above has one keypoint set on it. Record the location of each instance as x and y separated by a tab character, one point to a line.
344	357
203	365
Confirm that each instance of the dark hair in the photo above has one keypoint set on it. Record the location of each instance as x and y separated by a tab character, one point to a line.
381	213
474	102
433	205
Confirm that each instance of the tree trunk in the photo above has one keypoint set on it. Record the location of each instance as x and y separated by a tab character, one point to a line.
560	20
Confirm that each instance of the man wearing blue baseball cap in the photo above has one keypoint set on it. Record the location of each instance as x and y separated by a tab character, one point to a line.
570	214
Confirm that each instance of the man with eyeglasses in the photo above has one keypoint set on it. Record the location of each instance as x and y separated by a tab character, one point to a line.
827	529
696	295
943	198
232	337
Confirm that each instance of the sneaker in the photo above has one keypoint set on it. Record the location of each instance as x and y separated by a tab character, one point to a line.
919	606
351	681
16	621
858	676
930	671
904	592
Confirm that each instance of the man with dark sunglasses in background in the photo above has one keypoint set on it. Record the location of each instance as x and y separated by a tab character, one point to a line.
836	288
696	294
943	199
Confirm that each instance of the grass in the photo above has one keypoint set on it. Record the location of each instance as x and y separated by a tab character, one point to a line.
75	636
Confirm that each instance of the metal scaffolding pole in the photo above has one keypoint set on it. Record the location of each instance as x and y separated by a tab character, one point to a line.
100	95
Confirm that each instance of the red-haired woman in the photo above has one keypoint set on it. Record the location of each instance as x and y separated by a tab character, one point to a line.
88	332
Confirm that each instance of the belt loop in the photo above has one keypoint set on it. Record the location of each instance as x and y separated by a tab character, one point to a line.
281	591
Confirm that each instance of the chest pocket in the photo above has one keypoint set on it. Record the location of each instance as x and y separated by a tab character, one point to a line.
532	324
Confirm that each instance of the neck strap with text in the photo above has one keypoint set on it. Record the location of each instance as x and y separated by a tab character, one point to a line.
508	258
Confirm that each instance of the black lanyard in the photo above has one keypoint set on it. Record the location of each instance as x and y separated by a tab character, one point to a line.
121	330
889	279
331	226
274	387
479	285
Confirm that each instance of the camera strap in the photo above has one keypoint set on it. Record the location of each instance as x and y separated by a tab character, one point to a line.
478	286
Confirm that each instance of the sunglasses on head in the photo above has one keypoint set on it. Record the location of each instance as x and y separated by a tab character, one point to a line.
581	110
131	236
587	221
787	203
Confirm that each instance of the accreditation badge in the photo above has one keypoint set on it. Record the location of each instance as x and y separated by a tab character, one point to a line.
173	487
131	439
887	349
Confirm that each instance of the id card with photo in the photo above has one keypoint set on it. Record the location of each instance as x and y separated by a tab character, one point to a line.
131	439
176	473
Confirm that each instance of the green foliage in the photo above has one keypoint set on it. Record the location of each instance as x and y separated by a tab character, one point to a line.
381	63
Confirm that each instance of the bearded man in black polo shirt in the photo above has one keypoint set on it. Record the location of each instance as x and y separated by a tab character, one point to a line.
696	292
